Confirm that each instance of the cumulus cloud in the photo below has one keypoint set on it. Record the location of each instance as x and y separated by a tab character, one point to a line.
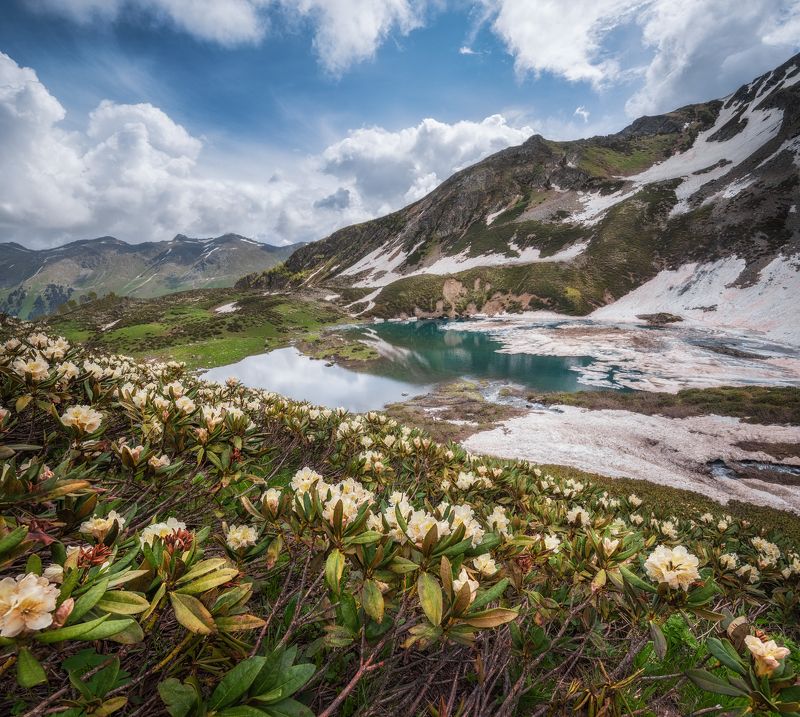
702	49
388	169
349	31
565	38
136	174
696	49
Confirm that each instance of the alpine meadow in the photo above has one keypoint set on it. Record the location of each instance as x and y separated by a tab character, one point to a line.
396	358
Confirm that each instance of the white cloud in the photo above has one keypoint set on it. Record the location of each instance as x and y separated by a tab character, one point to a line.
565	38
582	112
702	49
695	49
350	31
388	169
136	174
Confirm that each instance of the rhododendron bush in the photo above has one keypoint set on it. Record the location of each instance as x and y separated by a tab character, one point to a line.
169	546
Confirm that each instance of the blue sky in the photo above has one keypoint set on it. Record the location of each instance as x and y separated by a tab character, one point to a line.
285	119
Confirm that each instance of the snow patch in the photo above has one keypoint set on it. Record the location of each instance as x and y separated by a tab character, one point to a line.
227	308
704	294
666	451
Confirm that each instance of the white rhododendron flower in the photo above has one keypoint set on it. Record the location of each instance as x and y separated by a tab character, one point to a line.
98	527
675	567
552	542
241	536
304	479
768	655
634	500
750	573
499	521
271	498
161	530
26	603
464	579
485	563
157	462
578	516
609	546
185	405
54	573
37	368
729	561
83	418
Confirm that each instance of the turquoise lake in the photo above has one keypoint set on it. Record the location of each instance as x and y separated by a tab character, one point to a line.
414	357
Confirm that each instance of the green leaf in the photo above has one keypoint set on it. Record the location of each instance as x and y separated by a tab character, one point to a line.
207	582
486	596
659	641
201	568
71	632
13	539
289	682
238	623
242	711
709	682
29	672
372	600
634	580
726	654
192	614
235	683
430	597
110	628
289	708
123	602
88	600
34	564
178	697
334	568
491	618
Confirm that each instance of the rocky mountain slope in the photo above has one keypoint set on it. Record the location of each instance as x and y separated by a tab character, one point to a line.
33	283
701	201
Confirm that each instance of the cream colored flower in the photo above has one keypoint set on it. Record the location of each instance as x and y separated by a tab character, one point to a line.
675	567
54	573
241	536
485	564
161	530
36	368
609	546
304	479
83	418
767	655
552	542
578	516
729	561
271	499
26	603
185	405
464	579
159	462
98	527
634	500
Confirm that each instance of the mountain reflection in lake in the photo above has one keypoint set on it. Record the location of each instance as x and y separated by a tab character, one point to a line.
426	352
414	356
292	374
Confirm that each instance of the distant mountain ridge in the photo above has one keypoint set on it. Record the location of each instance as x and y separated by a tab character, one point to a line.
709	192
37	282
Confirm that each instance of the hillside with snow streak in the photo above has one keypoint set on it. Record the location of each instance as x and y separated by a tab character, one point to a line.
693	212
